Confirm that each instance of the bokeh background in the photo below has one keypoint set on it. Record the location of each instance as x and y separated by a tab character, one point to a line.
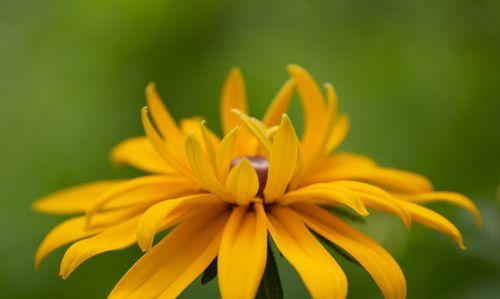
419	79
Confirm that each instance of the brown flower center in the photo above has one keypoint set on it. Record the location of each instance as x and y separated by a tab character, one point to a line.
261	166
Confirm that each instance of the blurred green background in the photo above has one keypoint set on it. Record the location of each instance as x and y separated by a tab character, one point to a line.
419	79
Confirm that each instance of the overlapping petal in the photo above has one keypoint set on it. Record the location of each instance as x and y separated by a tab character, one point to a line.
76	228
75	199
139	153
203	170
163	119
326	194
165	213
242	182
171	265
320	272
149	188
117	237
280	104
381	266
243	252
433	220
450	197
282	160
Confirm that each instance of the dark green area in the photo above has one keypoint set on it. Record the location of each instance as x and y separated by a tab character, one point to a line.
270	285
420	81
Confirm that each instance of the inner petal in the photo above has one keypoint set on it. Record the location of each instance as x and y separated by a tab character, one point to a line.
261	166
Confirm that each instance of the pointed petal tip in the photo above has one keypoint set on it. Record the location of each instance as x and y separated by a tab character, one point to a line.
363	211
145	246
151	90
293	68
36	206
235	70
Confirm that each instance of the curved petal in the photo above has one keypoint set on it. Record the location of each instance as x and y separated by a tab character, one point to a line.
162	117
202	169
75	229
280	104
224	154
197	127
433	220
380	264
393	180
327	194
320	272
243	252
313	105
172	264
114	238
173	157
377	198
210	140
162	212
346	159
282	160
147	188
450	197
242	182
74	199
139	153
252	125
233	97
338	133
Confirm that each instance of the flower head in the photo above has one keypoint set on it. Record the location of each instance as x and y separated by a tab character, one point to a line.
222	196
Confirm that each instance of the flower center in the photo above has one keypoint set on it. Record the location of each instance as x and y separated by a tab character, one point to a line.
261	166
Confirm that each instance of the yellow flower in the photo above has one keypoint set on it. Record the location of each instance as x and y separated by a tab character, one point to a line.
223	196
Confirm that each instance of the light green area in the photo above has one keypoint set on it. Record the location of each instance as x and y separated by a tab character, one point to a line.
419	79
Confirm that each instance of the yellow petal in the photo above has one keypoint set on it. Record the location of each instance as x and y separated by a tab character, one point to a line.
172	264
191	126
326	194
155	216
75	228
138	152
280	104
317	151
224	154
202	169
345	159
338	133
282	160
313	105
298	174
433	220
167	183
381	266
451	197
114	238
312	102
256	130
209	142
393	180
74	199
160	147
165	122
321	274
243	253
233	97
377	198
242	182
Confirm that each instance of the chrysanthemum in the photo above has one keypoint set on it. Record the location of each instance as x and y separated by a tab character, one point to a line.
221	197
